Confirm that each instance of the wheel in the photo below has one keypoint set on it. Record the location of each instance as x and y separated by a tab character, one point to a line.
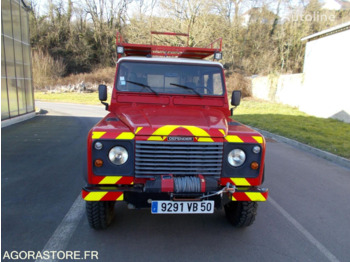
241	214
100	214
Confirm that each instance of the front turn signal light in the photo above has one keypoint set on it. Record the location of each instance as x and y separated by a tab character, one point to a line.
254	165
98	163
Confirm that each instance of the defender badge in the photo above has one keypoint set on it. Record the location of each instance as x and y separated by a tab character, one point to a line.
180	138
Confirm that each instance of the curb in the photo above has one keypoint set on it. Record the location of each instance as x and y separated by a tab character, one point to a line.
17	119
320	153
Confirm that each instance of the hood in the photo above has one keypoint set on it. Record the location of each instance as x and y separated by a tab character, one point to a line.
165	121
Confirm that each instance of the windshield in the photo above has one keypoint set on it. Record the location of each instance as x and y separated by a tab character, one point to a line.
191	79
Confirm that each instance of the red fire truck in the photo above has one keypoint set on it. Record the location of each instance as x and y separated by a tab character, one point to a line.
169	142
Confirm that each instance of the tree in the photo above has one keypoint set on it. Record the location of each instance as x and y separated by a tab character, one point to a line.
259	37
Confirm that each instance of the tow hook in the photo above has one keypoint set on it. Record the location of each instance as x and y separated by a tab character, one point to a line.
227	189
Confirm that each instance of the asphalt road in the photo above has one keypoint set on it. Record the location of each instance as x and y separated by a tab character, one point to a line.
307	217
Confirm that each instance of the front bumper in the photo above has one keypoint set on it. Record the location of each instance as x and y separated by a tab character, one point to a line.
132	194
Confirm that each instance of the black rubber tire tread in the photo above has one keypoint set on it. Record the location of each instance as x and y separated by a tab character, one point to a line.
241	214
100	214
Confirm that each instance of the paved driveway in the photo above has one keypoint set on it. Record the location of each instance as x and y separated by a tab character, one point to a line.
307	217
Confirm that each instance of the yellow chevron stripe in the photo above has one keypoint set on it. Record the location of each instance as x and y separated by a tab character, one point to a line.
258	139
196	131
167	129
222	131
95	196
138	129
240	181
255	196
126	135
205	139
156	138
233	139
121	198
97	135
233	199
110	180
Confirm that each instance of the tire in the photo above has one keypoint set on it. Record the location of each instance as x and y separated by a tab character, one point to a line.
241	214
100	214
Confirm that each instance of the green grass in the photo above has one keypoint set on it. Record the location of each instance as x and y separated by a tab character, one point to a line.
326	134
79	98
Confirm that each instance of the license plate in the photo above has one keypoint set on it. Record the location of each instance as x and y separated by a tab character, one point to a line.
183	207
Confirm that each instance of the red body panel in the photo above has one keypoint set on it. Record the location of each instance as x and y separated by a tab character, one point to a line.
173	51
142	115
153	117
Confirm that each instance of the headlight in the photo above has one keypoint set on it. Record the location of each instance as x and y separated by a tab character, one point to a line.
236	157
118	155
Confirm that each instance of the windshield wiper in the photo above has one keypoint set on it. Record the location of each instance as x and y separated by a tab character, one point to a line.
143	85
187	87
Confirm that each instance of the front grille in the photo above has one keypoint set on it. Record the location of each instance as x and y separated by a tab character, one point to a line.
178	158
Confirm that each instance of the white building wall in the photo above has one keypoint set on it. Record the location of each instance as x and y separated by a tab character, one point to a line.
323	90
326	88
289	89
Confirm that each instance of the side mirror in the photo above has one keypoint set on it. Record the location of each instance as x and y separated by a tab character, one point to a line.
102	92
236	98
102	95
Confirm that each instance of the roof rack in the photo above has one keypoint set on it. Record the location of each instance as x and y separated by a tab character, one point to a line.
129	49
